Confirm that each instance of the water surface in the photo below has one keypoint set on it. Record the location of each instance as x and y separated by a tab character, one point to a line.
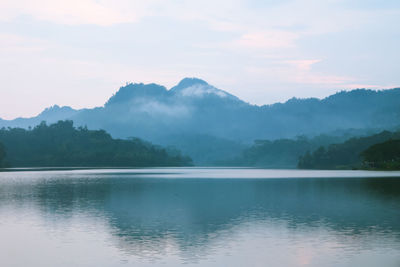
199	217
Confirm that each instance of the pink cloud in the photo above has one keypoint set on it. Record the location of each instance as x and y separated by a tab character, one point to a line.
303	65
70	12
268	39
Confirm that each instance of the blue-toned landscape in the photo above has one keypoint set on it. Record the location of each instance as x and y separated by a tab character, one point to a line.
194	123
199	133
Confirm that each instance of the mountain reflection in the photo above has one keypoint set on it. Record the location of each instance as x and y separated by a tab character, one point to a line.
151	213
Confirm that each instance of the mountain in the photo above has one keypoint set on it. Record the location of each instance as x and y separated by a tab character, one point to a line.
51	114
197	111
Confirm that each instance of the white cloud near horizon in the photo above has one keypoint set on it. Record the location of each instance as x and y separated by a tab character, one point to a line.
78	53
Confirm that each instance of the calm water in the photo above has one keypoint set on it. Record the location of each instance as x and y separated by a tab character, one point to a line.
199	217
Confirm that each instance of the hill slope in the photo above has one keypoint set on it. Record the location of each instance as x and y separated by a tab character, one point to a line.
347	155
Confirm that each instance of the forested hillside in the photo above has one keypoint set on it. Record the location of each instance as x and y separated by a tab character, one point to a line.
2	156
280	153
348	155
61	144
384	156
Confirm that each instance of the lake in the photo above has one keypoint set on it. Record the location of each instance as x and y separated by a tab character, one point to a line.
199	217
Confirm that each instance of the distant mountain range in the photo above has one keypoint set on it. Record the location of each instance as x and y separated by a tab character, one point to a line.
195	110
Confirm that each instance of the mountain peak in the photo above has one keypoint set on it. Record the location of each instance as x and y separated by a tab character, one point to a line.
132	90
56	108
197	88
186	82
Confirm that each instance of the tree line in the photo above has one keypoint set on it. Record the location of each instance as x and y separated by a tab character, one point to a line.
2	156
280	153
61	144
378	151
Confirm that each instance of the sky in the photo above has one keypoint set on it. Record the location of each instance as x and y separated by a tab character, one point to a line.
79	52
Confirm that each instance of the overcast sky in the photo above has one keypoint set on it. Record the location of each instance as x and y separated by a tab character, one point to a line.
79	52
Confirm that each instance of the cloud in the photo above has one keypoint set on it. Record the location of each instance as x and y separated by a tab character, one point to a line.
158	109
303	74
30	69
268	39
201	91
321	79
12	43
70	12
262	51
304	64
298	71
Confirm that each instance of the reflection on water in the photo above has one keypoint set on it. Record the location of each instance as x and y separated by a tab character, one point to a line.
143	218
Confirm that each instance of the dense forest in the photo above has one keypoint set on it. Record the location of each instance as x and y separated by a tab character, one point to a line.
384	156
2	155
61	144
355	153
374	151
280	153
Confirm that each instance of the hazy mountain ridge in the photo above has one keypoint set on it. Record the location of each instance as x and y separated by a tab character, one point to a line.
50	114
193	108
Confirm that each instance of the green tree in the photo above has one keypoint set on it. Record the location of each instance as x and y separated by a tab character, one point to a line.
61	144
2	155
349	155
384	155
